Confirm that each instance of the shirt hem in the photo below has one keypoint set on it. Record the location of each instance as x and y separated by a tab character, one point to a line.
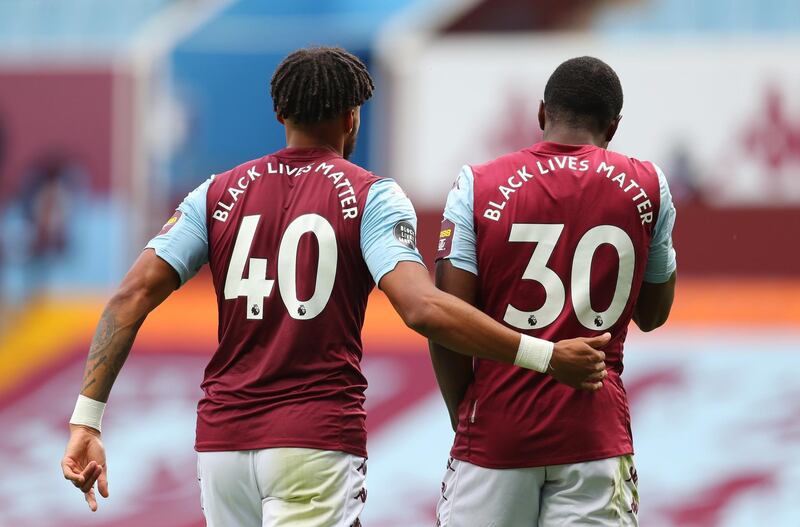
460	263
173	261
546	462
389	268
659	278
218	446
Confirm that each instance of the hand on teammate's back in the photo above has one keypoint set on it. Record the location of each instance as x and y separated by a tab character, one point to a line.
84	463
579	363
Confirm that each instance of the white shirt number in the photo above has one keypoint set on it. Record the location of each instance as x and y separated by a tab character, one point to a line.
546	236
256	286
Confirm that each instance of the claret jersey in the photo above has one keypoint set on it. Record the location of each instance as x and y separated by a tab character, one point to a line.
561	238
295	241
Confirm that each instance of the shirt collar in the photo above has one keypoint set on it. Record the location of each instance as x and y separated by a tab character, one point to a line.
306	153
548	147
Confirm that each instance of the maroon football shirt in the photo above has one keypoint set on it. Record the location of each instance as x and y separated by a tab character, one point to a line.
562	239
286	373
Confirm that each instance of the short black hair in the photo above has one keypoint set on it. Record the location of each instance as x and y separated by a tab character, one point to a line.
584	91
319	83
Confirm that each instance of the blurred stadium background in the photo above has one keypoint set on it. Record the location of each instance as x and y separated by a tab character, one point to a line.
111	111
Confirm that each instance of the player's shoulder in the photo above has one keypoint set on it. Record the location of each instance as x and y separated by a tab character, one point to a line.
639	165
361	179
498	165
354	172
221	178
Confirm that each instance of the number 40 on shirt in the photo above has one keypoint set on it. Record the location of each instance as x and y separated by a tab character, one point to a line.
256	287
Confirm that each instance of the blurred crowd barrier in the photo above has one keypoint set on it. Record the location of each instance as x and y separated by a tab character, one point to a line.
109	117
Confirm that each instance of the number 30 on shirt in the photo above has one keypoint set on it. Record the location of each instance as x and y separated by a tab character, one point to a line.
256	286
546	237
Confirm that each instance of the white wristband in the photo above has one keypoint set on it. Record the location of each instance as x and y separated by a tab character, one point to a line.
88	412
534	354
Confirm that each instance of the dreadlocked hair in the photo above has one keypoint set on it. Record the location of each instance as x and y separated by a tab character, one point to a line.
318	83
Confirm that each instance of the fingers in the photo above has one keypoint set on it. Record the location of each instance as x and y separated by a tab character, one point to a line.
90	474
597	355
599	366
597	377
102	483
91	500
598	341
86	479
71	471
79	478
591	386
594	382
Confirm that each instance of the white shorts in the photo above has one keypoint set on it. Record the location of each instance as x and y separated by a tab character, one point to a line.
281	487
601	493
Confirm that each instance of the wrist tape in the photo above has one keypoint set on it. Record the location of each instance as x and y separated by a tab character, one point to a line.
534	354
88	412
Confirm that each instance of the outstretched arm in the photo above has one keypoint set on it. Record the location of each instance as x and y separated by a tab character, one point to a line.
388	244
458	326
444	318
147	284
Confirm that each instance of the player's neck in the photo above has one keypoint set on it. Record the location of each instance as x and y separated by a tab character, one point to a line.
302	139
572	136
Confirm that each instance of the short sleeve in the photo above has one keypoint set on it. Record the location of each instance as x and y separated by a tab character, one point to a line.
183	241
388	229
457	240
661	262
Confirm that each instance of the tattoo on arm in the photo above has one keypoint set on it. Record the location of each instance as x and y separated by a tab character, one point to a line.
110	347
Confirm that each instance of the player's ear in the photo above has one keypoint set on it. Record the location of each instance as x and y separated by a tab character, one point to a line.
350	120
612	128
280	119
541	115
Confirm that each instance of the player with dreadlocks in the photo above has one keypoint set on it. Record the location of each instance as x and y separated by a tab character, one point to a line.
295	240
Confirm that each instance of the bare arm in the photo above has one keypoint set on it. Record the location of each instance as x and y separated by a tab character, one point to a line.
458	326
453	370
654	304
147	284
444	318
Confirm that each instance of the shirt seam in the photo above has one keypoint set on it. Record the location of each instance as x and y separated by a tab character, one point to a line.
563	460
405	257
174	261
